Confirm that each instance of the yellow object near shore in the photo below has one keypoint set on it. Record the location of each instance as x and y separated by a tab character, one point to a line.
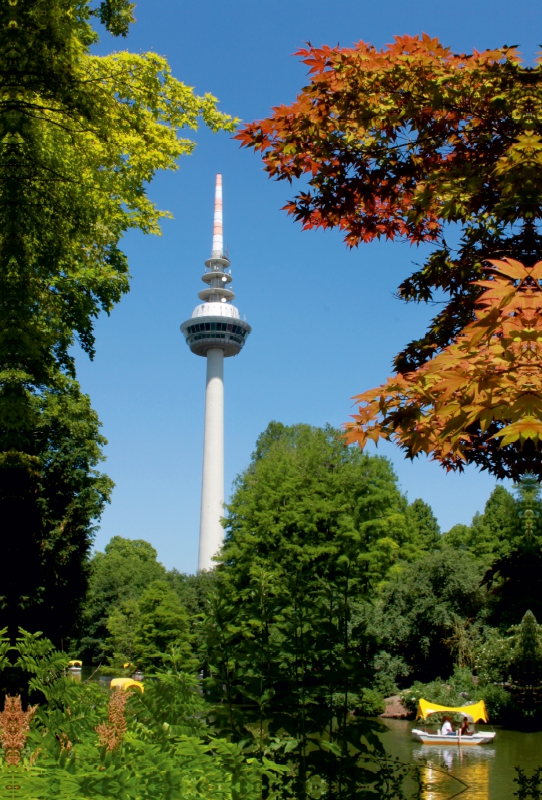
126	683
75	663
476	712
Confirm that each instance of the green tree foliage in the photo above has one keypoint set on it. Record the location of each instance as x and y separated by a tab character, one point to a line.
163	626
123	627
491	533
81	136
525	666
193	592
304	488
312	525
118	576
423	521
428	603
513	661
515	577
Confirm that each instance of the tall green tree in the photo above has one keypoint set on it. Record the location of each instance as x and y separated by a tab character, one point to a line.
123	625
422	519
304	480
312	527
194	592
150	630
163	628
81	137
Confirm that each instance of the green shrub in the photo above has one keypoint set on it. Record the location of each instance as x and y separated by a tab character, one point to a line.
492	657
388	669
497	700
370	703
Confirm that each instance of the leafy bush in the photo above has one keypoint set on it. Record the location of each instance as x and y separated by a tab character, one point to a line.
459	690
370	703
497	700
492	657
85	742
388	669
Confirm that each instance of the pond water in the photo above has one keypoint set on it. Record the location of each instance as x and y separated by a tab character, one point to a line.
93	674
487	770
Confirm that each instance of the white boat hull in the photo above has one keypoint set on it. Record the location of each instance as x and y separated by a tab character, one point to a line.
480	737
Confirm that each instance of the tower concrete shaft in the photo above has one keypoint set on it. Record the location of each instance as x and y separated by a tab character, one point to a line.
211	532
216	332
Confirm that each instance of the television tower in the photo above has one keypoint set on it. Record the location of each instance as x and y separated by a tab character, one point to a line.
214	331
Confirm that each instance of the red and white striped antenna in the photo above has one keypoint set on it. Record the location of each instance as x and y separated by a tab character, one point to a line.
218	230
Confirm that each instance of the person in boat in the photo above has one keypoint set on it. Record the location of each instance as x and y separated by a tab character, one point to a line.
465	727
447	727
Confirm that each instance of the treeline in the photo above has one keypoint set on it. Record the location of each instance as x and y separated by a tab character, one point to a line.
135	610
332	592
306	507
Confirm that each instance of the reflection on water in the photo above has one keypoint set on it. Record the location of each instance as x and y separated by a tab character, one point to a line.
440	774
475	772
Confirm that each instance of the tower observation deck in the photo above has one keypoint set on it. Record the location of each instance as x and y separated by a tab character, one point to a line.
214	331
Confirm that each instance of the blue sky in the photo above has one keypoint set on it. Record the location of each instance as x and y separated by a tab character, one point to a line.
325	323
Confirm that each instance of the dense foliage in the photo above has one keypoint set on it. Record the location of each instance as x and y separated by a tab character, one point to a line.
81	136
135	611
331	593
81	741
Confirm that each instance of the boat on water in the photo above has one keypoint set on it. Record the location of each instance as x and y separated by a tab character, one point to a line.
75	666
476	712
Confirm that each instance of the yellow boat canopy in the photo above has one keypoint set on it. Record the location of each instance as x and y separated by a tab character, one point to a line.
75	663
126	683
476	712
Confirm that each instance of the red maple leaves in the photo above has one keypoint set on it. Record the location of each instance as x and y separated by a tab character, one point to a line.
398	140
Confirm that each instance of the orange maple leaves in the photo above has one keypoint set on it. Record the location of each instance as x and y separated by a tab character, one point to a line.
480	399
